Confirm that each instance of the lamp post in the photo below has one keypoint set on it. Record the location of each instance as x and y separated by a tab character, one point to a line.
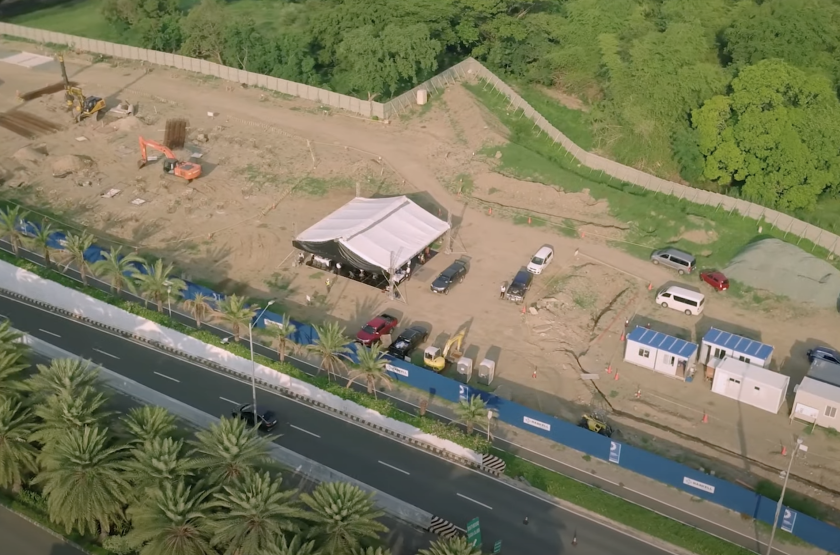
254	364
169	299
782	496
489	420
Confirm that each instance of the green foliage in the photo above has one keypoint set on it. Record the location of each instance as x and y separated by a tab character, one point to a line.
342	516
371	368
451	546
230	449
17	455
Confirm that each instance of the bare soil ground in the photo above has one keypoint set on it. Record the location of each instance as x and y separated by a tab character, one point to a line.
274	166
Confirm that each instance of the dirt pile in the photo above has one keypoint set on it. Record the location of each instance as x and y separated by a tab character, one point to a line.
70	163
127	123
785	269
30	155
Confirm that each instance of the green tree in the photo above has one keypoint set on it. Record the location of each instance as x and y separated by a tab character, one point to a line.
371	368
66	411
245	47
331	346
10	226
10	339
41	240
83	482
471	412
451	546
17	455
157	285
118	268
296	546
235	311
370	551
12	363
156	461
282	337
148	422
252	514
75	247
229	449
171	520
199	307
63	375
204	30
343	516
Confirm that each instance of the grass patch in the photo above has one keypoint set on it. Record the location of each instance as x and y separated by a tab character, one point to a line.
618	509
526	219
83	19
655	219
318	187
463	184
793	500
575	124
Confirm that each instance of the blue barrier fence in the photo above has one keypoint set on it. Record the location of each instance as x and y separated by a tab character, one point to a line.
699	484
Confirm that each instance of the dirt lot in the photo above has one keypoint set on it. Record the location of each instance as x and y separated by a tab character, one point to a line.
274	166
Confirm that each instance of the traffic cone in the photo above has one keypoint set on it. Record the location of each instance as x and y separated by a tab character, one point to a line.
650	286
534	374
582	235
615	379
609	369
529	220
784	451
489	211
622	336
523	309
705	418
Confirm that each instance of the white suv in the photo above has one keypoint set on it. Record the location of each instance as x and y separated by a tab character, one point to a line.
541	259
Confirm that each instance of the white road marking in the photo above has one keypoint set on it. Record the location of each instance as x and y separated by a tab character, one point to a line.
394	468
167	377
106	354
49	332
474	501
231	402
305	431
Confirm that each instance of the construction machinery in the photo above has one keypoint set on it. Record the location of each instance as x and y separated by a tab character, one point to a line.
171	165
436	359
596	424
82	106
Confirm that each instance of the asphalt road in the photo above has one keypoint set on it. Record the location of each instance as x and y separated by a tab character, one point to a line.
433	484
21	537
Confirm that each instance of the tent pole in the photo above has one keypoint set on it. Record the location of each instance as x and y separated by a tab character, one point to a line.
448	240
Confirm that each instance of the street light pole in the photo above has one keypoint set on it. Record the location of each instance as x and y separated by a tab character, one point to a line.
782	496
254	364
169	299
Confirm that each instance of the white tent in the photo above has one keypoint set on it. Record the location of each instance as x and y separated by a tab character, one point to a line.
373	234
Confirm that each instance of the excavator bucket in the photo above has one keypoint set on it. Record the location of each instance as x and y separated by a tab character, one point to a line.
141	164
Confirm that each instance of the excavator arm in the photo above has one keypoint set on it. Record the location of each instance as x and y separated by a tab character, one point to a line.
186	170
144	143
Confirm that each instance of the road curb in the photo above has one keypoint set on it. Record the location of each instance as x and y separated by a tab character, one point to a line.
55	534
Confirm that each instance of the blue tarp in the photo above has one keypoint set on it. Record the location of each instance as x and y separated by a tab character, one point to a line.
663	342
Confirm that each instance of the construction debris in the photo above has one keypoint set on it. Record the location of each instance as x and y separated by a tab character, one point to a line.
122	109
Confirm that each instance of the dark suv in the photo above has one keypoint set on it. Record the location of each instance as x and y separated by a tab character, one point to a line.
267	418
455	273
407	341
519	286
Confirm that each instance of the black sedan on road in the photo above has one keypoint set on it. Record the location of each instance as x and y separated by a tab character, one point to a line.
267	418
407	341
455	273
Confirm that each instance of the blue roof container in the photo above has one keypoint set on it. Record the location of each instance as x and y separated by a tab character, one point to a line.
738	344
663	342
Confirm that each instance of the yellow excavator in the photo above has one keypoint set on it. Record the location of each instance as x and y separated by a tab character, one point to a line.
596	424
436	359
81	105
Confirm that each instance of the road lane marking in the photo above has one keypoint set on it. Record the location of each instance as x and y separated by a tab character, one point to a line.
231	402
394	468
49	332
305	431
106	354
168	377
474	501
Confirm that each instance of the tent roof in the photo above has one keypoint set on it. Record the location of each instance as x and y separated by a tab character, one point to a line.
376	229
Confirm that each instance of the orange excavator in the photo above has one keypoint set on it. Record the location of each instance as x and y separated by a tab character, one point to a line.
186	170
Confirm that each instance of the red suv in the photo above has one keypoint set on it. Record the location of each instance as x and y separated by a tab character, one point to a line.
715	279
373	331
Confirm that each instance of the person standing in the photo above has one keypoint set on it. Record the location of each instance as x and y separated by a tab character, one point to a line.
502	291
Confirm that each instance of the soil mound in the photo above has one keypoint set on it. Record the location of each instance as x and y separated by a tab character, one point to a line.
29	155
70	163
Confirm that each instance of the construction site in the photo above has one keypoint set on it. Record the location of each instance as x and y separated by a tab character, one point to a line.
220	178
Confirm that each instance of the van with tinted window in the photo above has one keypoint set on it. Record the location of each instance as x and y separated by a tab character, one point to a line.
679	260
682	299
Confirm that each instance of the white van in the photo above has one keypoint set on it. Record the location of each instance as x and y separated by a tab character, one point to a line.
679	298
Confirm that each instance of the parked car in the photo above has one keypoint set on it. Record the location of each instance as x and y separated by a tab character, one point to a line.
680	261
519	286
541	259
824	353
715	279
407	341
373	331
267	418
455	273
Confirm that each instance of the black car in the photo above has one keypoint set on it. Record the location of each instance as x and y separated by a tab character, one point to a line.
455	273
267	418
519	286
407	341
824	353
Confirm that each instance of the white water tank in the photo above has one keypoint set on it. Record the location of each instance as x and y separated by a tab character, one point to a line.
422	96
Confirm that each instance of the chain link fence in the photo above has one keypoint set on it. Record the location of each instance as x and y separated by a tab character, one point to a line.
458	72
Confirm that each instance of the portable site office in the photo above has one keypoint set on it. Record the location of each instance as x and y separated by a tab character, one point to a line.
660	352
750	384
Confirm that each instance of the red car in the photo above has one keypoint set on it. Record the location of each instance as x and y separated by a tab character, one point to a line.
373	331
715	279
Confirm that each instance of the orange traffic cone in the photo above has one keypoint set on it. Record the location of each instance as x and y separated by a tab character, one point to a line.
523	310
616	376
489	211
705	418
650	286
784	451
622	336
529	220
609	369
582	235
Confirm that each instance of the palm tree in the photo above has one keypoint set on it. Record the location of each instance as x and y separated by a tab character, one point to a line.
294	547
171	520
229	449
75	247
82	481
10	339
331	346
200	308
156	285
451	546
471	412
253	513
371	551
147	423
282	337
118	268
157	461
17	455
342	516
10	219
66	412
234	311
371	367
12	363
62	375
41	241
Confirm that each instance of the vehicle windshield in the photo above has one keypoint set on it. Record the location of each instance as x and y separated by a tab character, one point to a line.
369	329
269	415
445	278
537	261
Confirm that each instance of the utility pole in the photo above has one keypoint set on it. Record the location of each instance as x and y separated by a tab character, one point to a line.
782	496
